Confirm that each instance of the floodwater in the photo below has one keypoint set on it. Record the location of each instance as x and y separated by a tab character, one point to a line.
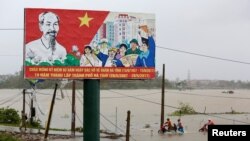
144	105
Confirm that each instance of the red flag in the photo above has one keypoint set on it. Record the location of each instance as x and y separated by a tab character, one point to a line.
77	27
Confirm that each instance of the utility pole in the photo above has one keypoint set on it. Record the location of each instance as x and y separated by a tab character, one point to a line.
32	110
23	120
73	108
24	100
50	113
162	95
115	119
188	80
128	126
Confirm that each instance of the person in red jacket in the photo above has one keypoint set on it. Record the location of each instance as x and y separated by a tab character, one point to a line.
205	126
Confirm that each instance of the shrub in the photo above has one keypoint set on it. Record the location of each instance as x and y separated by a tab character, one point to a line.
9	116
185	109
8	137
79	129
34	124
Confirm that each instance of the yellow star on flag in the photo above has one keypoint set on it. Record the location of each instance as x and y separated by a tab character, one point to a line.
85	20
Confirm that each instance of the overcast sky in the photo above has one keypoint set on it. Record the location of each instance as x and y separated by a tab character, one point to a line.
217	28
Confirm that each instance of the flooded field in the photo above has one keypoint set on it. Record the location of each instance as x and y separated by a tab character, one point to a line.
144	105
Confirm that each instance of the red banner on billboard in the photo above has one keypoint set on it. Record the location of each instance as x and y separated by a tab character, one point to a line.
89	72
89	44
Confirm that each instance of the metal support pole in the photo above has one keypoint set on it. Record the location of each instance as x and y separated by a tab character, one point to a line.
162	95
91	110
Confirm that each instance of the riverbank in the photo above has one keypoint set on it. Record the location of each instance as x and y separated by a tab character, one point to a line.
38	135
25	136
35	134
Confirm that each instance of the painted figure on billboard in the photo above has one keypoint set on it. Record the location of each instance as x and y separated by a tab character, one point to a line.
147	55
121	51
110	60
89	58
134	49
104	46
46	49
127	60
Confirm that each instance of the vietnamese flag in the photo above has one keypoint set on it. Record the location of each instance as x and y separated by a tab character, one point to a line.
77	27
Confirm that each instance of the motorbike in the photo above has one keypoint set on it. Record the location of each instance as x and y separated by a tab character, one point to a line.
164	129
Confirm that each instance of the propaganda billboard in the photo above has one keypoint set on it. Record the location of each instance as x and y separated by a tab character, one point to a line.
87	44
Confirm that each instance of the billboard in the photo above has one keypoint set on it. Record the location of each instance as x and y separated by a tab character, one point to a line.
87	44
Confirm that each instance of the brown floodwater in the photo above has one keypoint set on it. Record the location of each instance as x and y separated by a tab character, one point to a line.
144	105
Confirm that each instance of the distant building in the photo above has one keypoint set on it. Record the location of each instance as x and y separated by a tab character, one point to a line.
123	29
110	32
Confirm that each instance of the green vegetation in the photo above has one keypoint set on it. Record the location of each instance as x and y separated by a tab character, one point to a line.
8	137
17	81
185	109
57	129
71	60
234	112
35	124
79	129
9	116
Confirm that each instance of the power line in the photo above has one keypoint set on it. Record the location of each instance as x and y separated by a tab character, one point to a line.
11	29
180	108
75	113
173	106
80	93
10	99
207	56
184	93
115	125
78	97
111	122
6	55
15	102
176	50
225	118
42	93
111	97
145	100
